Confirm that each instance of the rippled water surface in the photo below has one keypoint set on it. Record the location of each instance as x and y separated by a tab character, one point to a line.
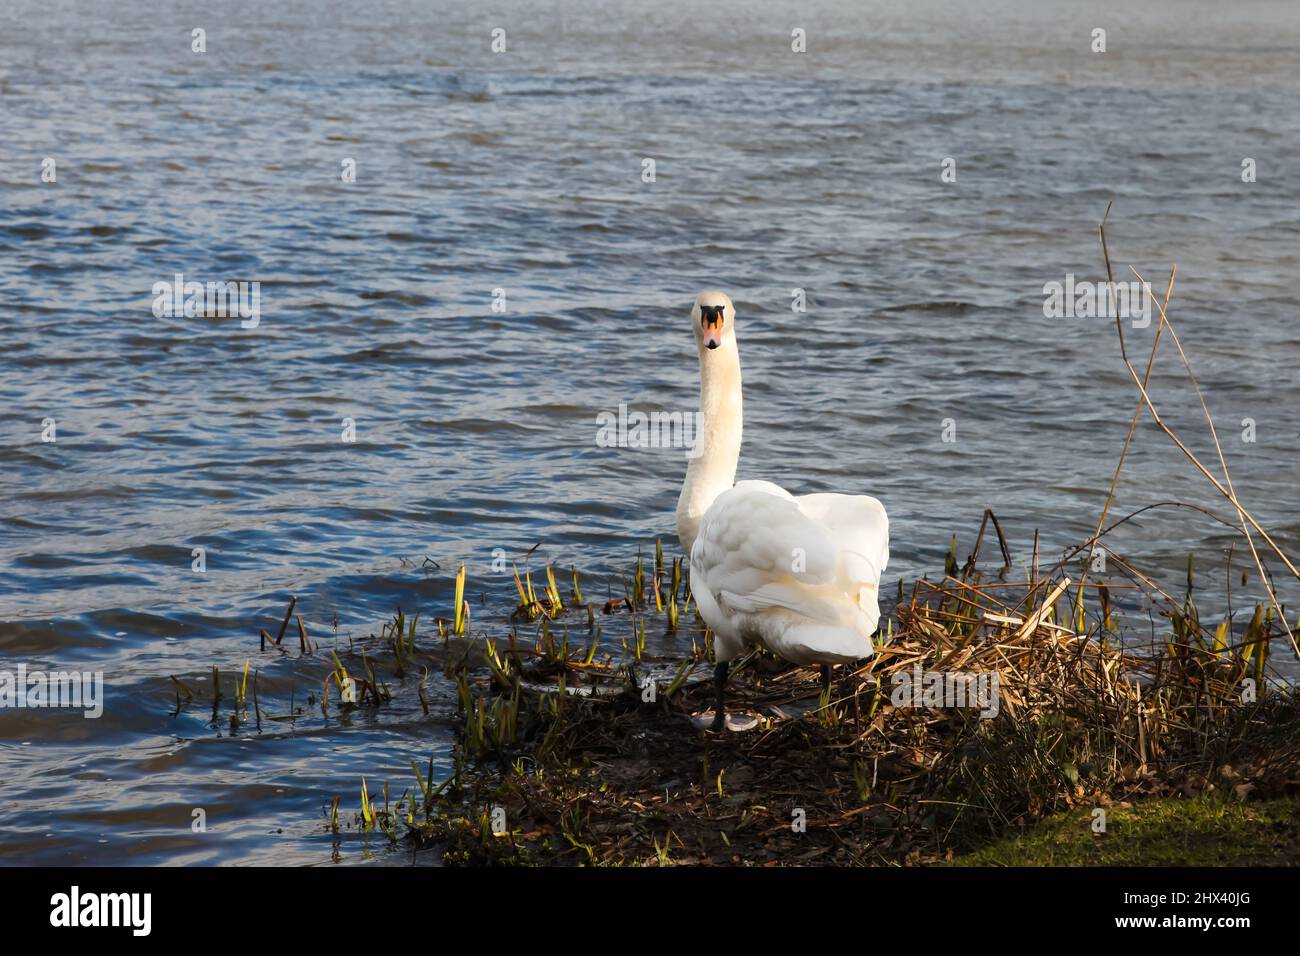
475	429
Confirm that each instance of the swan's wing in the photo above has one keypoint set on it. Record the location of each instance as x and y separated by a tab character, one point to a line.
757	550
859	527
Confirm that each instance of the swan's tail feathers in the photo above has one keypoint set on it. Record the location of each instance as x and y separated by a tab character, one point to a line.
869	605
822	644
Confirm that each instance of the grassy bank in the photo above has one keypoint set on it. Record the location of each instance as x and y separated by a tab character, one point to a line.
567	757
1203	831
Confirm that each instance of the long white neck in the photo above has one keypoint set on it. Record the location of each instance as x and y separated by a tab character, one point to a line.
712	470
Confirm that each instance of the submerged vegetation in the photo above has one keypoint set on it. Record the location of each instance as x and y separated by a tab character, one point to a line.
569	751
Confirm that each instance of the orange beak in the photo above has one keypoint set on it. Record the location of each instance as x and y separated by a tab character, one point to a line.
712	322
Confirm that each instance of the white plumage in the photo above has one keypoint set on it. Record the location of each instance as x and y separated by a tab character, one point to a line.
799	575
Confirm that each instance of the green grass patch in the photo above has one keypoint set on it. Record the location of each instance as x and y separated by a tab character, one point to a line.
1201	831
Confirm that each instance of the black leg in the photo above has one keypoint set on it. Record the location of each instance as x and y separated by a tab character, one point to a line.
719	684
826	677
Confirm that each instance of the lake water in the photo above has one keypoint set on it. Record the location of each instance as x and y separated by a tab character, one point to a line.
475	429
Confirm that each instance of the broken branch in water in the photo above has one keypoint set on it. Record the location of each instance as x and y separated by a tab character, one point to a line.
293	601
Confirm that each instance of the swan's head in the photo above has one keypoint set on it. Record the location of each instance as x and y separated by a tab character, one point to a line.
714	318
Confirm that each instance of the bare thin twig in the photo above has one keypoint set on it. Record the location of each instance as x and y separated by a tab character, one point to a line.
1226	491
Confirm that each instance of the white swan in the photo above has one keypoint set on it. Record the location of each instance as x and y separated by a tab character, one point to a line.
801	574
